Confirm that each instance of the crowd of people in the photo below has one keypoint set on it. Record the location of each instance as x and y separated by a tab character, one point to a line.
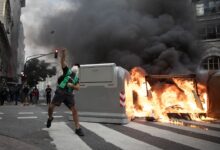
9	94
23	94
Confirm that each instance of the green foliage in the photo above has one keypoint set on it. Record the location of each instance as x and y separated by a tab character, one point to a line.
38	70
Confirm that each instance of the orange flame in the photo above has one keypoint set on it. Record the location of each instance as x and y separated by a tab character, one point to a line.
181	96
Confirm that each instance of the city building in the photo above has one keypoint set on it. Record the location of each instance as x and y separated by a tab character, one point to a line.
5	29
17	35
11	38
208	21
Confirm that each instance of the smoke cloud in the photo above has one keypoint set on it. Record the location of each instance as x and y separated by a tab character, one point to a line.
157	35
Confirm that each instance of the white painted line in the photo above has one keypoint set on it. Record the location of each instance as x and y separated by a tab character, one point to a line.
178	138
68	112
25	113
0	118
43	104
195	130
1	113
202	123
45	112
29	117
57	116
64	138
118	139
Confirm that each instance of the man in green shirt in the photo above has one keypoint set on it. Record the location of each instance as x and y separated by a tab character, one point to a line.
67	83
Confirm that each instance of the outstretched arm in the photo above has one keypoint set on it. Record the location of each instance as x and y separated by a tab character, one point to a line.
63	58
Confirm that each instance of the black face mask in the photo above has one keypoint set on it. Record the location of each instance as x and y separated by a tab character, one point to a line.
72	75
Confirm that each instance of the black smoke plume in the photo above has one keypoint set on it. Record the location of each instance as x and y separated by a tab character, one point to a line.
157	35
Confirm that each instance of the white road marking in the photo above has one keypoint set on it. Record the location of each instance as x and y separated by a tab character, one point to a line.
178	138
43	104
28	117
0	118
196	130
25	113
1	113
68	112
202	123
57	116
45	112
118	139
64	138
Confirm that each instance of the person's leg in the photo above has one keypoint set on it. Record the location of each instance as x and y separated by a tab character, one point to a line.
50	110
57	100
75	117
50	114
70	103
25	100
78	130
48	100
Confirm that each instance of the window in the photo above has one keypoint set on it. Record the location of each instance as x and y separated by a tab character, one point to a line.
218	31
209	31
200	9
206	7
211	63
218	5
212	7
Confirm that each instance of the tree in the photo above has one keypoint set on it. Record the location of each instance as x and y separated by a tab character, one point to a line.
37	70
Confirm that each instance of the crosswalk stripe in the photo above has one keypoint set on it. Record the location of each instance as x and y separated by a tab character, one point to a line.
68	112
202	123
64	138
182	139
45	112
25	113
1	113
195	130
118	139
28	117
58	116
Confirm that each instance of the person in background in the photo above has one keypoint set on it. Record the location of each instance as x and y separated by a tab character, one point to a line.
26	92
35	95
48	91
17	94
4	95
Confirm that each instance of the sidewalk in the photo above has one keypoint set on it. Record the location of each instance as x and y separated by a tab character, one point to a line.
8	143
41	101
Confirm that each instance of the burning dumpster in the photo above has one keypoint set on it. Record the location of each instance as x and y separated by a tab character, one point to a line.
213	85
164	97
101	97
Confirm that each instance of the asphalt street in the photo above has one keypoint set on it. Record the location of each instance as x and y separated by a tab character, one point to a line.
24	127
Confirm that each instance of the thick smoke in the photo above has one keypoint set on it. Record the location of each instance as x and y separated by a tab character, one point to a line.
157	35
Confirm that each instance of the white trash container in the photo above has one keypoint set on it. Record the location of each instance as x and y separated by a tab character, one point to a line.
101	96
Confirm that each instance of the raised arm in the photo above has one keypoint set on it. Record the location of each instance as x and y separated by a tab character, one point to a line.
63	58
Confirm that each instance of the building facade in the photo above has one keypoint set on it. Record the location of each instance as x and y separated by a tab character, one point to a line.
5	29
11	38
17	35
208	21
